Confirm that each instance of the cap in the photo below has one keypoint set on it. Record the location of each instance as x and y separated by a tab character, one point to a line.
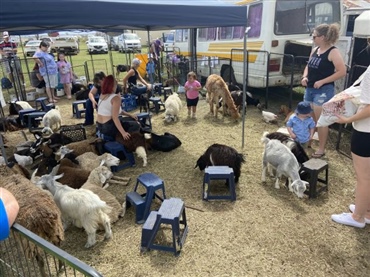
135	62
5	34
304	108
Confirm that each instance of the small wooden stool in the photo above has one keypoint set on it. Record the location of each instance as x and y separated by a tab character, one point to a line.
314	167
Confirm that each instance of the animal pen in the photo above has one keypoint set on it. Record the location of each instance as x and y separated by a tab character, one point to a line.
26	254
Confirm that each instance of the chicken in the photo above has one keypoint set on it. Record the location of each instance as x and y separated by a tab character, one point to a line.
269	117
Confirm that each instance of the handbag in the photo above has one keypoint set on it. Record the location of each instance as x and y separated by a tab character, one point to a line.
344	103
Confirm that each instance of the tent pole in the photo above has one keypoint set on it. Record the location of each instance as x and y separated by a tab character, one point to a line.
244	80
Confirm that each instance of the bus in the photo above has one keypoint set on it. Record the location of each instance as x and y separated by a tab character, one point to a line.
278	42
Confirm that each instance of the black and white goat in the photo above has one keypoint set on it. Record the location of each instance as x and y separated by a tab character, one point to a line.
219	154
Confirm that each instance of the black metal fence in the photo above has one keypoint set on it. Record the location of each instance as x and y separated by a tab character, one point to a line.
26	254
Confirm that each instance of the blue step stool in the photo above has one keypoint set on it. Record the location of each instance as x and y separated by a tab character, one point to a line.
152	183
314	167
22	118
145	121
42	104
171	212
114	148
77	109
167	92
157	104
135	199
218	173
34	119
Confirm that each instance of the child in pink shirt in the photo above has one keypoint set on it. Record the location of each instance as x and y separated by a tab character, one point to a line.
192	87
65	74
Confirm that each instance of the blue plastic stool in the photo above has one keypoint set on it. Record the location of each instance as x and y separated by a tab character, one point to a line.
152	183
114	148
44	104
34	119
218	173
129	102
145	121
22	117
76	110
157	102
171	212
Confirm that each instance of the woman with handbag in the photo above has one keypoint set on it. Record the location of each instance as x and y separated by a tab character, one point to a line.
360	151
325	66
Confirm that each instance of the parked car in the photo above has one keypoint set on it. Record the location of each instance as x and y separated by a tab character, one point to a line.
97	45
65	44
129	42
31	47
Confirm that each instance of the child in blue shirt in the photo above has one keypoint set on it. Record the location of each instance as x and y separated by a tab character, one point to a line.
301	126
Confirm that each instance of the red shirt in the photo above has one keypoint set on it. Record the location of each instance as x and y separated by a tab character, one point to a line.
7	47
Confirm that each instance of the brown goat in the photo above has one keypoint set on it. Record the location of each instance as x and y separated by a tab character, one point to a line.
136	143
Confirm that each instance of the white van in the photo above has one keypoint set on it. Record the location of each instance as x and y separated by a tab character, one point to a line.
129	42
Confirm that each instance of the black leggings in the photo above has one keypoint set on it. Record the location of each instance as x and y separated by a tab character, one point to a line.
109	128
360	143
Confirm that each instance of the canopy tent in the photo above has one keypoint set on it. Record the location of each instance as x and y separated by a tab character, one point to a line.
36	16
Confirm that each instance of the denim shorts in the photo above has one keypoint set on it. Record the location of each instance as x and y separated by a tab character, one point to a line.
319	96
51	80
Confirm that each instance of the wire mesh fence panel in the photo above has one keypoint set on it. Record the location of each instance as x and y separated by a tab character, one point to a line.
94	66
27	255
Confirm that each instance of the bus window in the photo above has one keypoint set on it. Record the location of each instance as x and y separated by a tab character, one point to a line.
238	32
211	33
225	33
202	34
254	20
290	17
181	35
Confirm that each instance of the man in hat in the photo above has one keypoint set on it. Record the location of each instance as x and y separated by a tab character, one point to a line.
301	126
8	51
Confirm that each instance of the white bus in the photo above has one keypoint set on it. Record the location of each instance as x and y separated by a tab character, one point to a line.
278	40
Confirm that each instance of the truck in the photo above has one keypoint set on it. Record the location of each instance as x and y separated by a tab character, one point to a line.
65	44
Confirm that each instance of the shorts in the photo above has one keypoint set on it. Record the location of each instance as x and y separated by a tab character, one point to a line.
51	81
192	102
360	143
319	96
7	64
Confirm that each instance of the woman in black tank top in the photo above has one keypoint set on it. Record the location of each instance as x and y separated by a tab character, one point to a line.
325	66
131	78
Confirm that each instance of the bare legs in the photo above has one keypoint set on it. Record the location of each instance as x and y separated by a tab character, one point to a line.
50	93
362	195
67	90
323	132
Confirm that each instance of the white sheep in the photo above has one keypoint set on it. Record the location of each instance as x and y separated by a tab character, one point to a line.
173	106
24	104
52	121
23	160
91	160
285	163
97	182
79	205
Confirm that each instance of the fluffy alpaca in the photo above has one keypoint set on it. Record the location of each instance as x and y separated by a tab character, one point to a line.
216	89
173	106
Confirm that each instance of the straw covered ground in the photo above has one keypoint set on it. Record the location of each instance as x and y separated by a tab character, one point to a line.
265	232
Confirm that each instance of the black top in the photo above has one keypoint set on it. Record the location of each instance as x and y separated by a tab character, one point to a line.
319	67
133	79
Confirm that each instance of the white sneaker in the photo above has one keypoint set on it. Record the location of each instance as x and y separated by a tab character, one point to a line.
352	209
346	219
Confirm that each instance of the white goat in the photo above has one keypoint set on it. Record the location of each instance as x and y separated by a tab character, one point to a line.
90	160
282	159
173	106
52	120
80	205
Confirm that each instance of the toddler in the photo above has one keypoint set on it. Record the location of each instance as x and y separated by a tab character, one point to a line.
301	126
192	87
